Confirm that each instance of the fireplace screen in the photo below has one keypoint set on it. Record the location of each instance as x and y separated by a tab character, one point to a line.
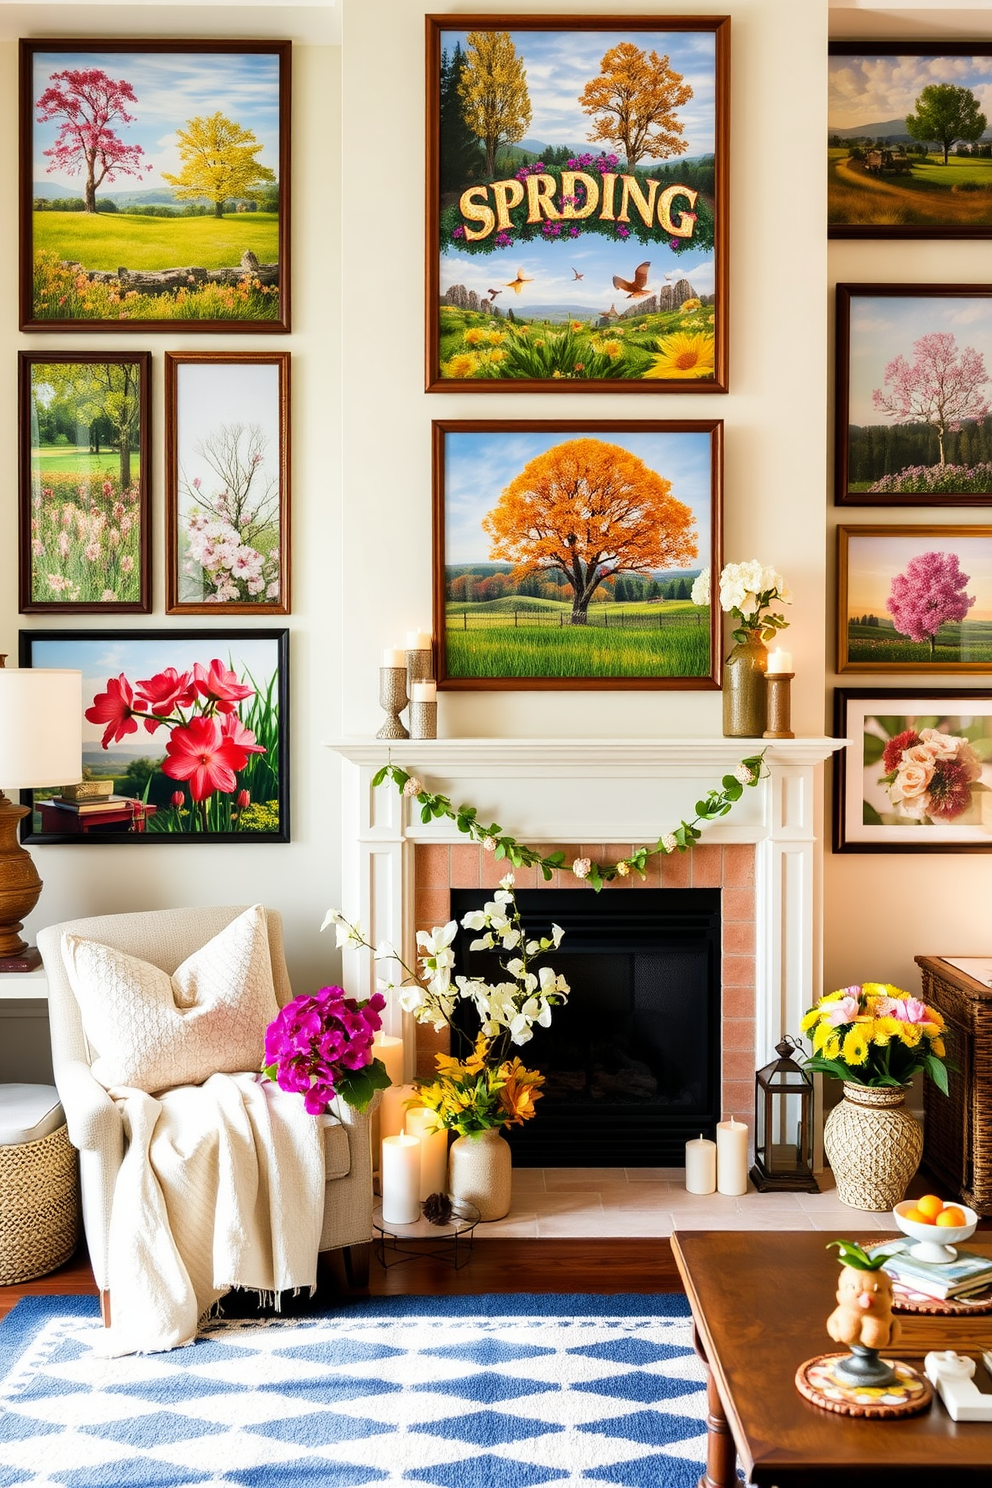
632	1060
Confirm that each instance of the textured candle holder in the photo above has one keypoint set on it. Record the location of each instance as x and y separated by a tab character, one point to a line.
779	705
392	697
423	720
419	668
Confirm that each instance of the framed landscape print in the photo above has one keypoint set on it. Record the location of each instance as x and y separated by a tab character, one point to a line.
566	553
84	448
914	391
227	482
914	599
577	196
909	139
154	185
185	736
917	773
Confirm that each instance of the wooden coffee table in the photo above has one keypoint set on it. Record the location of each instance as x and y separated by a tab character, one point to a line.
760	1301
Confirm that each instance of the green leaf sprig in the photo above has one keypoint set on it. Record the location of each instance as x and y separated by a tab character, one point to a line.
504	846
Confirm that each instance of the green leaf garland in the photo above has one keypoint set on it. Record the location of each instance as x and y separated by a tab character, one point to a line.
505	847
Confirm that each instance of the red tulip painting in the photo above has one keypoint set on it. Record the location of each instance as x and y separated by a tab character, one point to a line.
187	726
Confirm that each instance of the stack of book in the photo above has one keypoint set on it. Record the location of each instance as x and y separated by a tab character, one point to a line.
94	806
942	1280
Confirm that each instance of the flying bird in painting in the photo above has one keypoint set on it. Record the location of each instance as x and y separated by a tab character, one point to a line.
494	292
576	272
635	287
517	284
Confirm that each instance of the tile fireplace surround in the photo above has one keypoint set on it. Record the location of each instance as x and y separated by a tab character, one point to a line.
598	798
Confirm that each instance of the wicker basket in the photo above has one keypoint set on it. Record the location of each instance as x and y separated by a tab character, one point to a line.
958	1127
39	1206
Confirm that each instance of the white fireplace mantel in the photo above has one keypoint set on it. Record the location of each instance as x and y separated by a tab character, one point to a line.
594	791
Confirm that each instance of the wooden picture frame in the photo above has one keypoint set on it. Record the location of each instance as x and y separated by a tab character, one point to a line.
886	181
917	773
227	482
914	599
914	391
208	709
84	472
180	258
631	253
506	615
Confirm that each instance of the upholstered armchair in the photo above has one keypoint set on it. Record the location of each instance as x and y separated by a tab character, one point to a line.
165	938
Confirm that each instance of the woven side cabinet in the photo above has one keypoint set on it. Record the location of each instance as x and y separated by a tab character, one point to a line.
39	1206
957	1133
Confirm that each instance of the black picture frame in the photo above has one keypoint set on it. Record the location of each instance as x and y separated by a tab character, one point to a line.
238	793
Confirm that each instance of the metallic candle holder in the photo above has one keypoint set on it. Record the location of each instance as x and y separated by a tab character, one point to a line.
392	697
419	668
779	705
423	720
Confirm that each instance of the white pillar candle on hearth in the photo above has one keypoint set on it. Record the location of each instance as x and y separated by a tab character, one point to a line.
390	1051
422	1123
700	1165
401	1179
731	1156
392	1112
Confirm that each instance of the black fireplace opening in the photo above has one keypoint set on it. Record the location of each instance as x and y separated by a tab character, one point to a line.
632	1060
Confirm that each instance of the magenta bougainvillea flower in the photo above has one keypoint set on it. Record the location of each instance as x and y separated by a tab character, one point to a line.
320	1043
927	595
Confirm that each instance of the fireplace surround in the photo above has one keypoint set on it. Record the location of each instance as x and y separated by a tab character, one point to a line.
596	798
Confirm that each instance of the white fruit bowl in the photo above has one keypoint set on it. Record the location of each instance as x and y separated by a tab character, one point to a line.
935	1242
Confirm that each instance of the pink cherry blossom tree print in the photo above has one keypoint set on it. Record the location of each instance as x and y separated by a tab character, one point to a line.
940	387
90	103
927	595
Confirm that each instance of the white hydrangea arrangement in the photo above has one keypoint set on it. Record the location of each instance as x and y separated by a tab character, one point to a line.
747	589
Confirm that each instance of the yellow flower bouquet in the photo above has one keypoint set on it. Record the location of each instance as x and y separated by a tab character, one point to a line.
470	1095
876	1034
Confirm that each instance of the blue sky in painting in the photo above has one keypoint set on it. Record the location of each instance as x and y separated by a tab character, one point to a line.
478	465
139	659
171	88
884	327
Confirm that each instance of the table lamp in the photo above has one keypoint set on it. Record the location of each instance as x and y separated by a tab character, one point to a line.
41	743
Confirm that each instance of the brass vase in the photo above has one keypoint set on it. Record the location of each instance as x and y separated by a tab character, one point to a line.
745	709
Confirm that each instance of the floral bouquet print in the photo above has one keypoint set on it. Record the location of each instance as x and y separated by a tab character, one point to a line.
930	776
875	1034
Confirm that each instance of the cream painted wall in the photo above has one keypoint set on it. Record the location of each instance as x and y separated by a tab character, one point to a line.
297	878
881	910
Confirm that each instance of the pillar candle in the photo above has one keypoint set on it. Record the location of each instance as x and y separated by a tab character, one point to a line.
418	640
392	1112
731	1156
433	1150
401	1179
423	692
390	1051
779	661
394	656
700	1165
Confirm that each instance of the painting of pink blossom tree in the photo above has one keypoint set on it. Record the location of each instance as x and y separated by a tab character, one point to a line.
915	599
914	395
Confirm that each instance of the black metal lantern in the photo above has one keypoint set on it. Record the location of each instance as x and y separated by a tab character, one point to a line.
783	1125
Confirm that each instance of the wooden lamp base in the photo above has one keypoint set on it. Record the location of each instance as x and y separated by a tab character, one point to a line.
20	890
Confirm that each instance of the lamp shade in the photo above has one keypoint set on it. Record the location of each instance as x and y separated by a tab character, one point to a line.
41	726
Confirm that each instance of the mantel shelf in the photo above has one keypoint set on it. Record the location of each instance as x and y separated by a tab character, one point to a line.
556	756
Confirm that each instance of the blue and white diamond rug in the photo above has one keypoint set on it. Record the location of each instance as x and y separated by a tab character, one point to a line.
453	1392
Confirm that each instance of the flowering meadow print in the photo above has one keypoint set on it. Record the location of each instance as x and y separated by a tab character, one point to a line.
567	553
919	770
227	482
909	140
186	727
578	188
84	458
154	184
915	599
914	395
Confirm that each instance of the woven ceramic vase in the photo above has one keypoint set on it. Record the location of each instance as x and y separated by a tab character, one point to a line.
480	1171
745	708
873	1144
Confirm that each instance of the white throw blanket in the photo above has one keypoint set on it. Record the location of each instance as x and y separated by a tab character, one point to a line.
222	1185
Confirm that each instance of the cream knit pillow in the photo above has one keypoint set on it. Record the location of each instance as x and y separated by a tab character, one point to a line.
153	1031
